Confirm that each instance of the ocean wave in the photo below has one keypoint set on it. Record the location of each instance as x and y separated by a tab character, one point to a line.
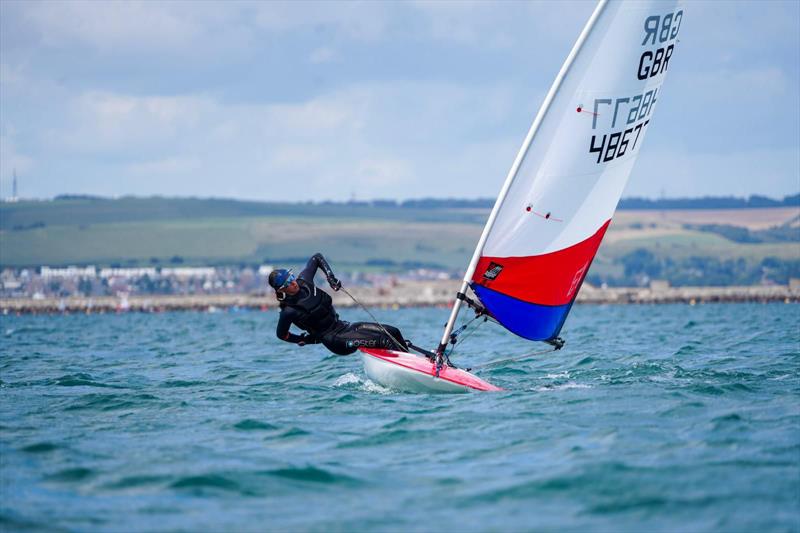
181	383
207	481
249	424
68	475
110	402
40	447
81	380
293	432
311	474
265	436
137	481
562	386
378	439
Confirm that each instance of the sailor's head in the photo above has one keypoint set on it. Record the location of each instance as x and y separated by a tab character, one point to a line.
283	281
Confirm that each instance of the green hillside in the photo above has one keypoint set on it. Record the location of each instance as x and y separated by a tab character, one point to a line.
89	211
364	242
705	247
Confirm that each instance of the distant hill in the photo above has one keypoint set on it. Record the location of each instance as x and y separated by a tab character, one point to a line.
709	202
88	210
705	241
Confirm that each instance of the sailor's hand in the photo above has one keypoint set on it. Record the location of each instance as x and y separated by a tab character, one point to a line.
334	283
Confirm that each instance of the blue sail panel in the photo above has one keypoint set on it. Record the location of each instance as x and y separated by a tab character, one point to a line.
528	320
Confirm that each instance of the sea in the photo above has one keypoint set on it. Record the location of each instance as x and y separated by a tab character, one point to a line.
651	418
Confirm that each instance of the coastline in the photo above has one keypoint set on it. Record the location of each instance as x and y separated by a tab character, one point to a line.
399	295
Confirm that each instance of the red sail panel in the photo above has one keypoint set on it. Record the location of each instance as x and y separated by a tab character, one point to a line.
547	279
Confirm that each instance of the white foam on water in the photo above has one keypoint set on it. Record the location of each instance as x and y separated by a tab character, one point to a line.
371	386
355	381
347	379
563	386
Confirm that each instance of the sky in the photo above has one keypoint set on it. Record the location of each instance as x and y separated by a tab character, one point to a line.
317	101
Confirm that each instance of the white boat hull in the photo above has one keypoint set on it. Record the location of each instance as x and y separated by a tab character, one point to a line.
410	373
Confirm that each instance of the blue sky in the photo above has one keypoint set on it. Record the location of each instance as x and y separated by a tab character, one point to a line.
315	101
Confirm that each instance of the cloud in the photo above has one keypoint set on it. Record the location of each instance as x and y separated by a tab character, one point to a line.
11	76
679	172
378	139
735	28
102	122
766	81
483	24
362	21
113	23
296	157
387	99
135	26
177	26
323	55
382	171
164	168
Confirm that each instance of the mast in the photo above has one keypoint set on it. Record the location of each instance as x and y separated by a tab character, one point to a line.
512	173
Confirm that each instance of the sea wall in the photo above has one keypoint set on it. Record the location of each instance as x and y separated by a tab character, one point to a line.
401	294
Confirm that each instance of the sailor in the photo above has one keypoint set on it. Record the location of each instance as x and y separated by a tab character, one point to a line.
311	310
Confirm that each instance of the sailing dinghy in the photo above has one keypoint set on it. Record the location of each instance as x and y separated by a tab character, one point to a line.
561	192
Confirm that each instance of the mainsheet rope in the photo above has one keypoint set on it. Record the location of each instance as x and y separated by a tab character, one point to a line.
463	328
396	342
514	359
519	358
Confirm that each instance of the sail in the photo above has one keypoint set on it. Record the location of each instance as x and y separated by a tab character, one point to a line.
561	194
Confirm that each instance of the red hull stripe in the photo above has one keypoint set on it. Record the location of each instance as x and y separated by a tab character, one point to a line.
548	279
424	366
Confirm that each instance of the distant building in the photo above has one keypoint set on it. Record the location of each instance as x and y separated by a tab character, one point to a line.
659	285
70	272
189	272
127	272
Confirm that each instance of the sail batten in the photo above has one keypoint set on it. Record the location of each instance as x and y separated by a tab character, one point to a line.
563	188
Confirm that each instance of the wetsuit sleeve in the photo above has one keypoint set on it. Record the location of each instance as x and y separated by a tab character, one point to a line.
316	262
283	333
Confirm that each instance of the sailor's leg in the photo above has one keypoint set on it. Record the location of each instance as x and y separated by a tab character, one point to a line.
396	335
388	336
339	342
347	340
339	345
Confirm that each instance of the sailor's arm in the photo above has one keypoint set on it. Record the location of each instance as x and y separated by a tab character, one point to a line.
317	261
283	333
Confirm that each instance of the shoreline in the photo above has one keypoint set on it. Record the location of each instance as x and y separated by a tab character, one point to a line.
399	295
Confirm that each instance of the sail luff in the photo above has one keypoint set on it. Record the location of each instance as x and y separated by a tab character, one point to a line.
512	173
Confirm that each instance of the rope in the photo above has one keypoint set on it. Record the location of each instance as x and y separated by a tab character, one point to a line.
461	330
396	342
496	361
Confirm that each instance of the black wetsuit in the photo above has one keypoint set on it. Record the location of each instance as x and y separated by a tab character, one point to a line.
311	309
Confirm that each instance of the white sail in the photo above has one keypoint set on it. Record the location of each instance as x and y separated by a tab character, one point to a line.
564	186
